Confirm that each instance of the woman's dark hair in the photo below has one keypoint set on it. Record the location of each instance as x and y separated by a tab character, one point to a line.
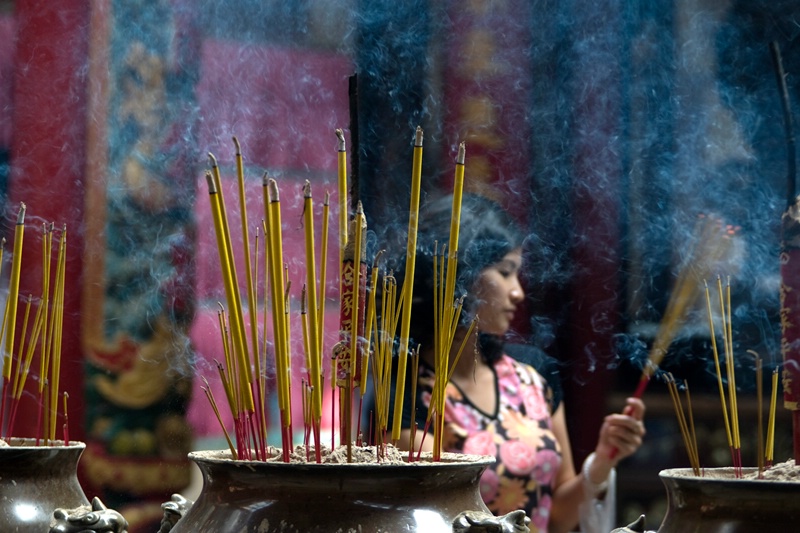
487	233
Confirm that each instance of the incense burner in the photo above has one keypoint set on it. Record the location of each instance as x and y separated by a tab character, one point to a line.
35	480
39	491
267	496
718	502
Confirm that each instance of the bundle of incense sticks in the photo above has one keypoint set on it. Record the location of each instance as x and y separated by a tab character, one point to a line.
731	419
685	424
368	326
766	444
44	332
241	374
447	309
685	417
726	383
712	240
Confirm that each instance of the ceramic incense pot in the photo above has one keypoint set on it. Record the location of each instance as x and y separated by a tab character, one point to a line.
274	496
39	491
35	480
718	502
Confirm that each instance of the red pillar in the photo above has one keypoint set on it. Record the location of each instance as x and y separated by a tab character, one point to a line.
47	163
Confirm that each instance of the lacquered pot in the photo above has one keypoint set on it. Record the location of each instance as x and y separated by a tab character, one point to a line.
272	496
34	481
717	502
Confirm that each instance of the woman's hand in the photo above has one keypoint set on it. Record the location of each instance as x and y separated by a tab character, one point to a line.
621	434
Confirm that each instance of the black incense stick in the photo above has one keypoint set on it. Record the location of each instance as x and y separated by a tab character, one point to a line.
352	91
791	170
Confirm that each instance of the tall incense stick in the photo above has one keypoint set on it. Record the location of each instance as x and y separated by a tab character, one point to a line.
408	283
314	349
279	313
11	311
260	438
233	297
447	314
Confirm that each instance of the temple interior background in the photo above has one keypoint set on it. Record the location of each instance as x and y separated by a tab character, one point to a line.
611	130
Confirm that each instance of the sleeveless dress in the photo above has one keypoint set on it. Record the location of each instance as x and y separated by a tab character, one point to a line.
519	434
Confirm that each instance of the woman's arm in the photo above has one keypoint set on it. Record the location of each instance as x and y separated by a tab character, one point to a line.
405	441
620	436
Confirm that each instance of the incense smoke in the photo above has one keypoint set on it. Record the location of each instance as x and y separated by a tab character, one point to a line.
607	130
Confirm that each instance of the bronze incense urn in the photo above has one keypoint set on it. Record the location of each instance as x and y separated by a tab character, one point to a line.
274	496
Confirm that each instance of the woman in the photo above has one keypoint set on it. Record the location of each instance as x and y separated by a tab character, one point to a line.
496	405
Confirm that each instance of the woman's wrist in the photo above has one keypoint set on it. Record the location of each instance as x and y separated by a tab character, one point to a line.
592	487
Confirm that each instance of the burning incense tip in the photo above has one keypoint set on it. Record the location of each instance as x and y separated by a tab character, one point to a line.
212	159
340	136
272	191
378	256
462	153
307	189
418	137
265	179
327	200
212	187
21	215
238	146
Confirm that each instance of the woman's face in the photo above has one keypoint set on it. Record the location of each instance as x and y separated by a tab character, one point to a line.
498	293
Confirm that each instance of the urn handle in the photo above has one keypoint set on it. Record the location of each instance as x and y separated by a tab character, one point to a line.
174	511
483	522
96	518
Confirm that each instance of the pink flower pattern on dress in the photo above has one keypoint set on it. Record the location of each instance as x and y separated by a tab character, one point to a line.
518	457
519	435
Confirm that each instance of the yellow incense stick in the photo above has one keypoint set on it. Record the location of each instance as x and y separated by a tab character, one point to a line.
280	325
225	268
455	224
251	291
31	348
372	289
22	346
729	366
408	283
305	330
732	377
342	183
717	367
231	283
47	250
323	271
771	423
449	316
315	353
13	294
55	369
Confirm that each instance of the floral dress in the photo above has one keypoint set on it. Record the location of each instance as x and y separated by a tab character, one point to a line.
519	435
